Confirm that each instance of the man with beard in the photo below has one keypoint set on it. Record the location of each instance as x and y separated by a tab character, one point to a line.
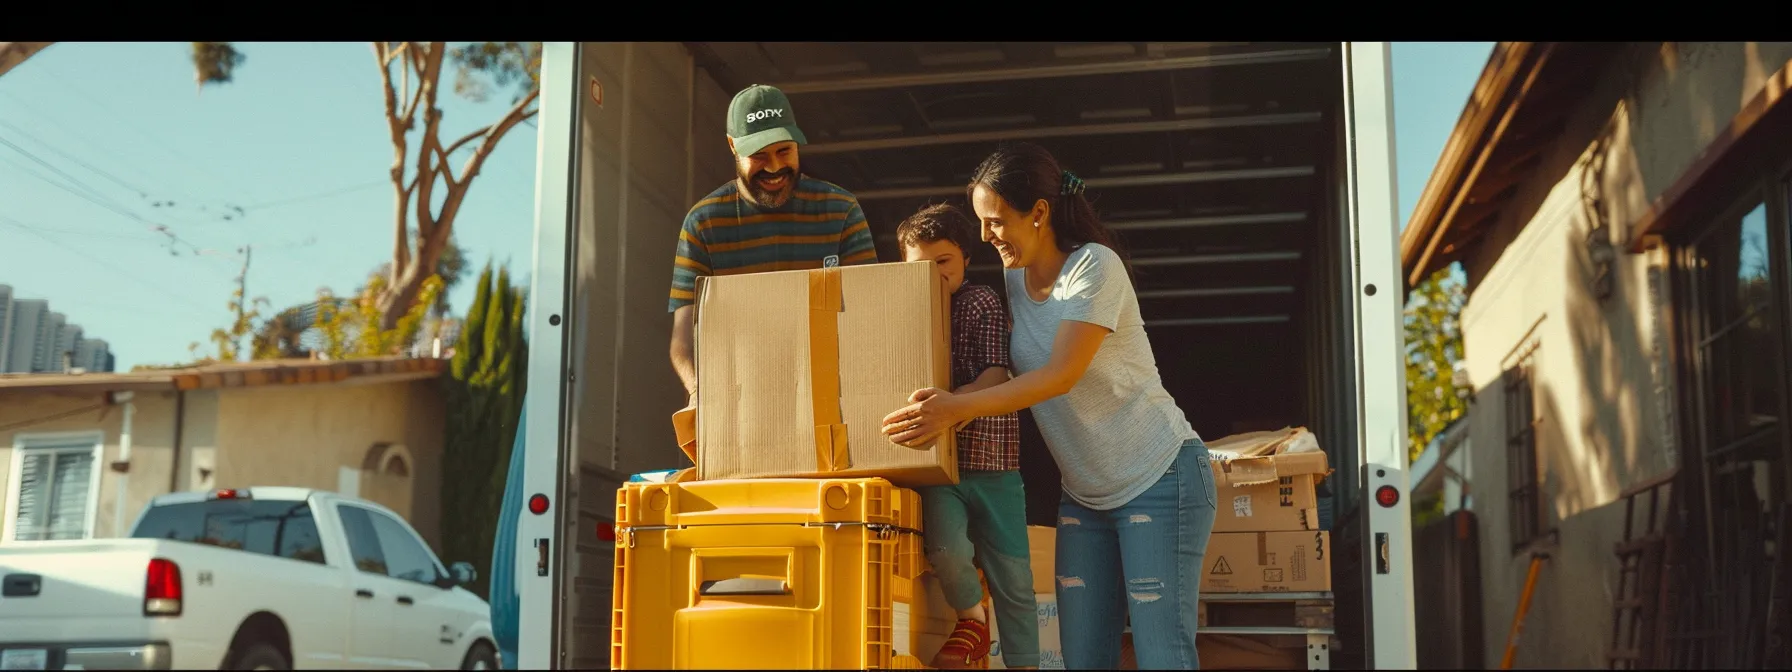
771	217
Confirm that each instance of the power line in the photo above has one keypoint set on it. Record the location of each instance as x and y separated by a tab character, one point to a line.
84	232
82	136
138	280
90	190
326	194
101	202
114	178
141	192
120	117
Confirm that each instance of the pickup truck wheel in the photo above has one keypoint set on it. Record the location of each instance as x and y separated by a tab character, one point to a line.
482	657
260	657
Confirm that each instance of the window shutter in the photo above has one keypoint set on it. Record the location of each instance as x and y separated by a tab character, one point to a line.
68	513
28	518
54	485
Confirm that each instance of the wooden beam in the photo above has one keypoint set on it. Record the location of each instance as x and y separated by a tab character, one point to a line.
1495	183
1763	125
1496	79
1486	149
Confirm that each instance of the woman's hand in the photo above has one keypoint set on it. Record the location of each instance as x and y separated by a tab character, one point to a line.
930	413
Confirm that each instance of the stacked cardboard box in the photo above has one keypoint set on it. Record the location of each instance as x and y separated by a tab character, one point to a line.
1266	535
1266	539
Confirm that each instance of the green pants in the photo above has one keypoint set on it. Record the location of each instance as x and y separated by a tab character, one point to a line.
982	521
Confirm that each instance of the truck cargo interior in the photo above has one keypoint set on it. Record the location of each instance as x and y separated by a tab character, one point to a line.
1221	165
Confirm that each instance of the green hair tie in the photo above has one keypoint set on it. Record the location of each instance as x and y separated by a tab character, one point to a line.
1071	184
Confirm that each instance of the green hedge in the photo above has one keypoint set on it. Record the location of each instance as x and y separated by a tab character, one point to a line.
484	402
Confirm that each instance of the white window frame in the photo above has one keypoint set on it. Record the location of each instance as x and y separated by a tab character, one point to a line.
61	441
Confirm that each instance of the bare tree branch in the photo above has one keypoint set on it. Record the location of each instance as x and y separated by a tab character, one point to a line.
442	165
475	135
390	52
432	118
495	132
418	63
14	53
480	133
395	129
430	232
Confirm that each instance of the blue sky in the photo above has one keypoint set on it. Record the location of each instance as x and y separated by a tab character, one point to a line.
299	142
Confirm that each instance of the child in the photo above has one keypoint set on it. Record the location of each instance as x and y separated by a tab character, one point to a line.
984	516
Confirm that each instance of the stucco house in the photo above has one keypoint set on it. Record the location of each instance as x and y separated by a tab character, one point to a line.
1620	212
81	455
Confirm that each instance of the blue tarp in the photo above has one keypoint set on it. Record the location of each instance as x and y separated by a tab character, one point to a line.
504	600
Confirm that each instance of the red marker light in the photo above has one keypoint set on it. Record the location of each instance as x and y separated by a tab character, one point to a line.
226	494
1387	496
606	532
538	504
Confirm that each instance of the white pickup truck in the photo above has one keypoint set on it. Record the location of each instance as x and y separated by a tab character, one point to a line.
253	579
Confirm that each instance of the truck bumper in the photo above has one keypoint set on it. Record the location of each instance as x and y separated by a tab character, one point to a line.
87	655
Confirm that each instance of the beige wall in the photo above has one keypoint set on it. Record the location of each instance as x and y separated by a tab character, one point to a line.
304	435
152	441
1604	403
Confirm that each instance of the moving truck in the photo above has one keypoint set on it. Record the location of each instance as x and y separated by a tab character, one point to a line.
1253	184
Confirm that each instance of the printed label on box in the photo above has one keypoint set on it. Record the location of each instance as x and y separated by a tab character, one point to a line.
1241	506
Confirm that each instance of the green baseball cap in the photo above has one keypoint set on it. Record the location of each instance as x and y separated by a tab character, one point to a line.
759	116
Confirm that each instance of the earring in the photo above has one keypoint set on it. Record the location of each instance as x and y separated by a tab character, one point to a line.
1035	223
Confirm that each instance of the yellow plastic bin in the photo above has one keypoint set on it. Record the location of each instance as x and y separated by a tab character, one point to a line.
770	574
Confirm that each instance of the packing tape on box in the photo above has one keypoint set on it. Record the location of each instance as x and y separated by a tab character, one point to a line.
831	452
684	426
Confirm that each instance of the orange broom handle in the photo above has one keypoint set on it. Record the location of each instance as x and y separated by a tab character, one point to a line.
1524	606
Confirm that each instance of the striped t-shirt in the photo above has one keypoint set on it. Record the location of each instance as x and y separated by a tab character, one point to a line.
724	234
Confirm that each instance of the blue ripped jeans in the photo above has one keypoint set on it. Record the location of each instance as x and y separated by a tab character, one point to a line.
1142	560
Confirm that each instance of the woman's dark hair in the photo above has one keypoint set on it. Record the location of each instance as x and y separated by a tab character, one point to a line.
1024	173
935	223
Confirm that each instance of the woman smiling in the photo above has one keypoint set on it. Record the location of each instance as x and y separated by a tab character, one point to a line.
1139	490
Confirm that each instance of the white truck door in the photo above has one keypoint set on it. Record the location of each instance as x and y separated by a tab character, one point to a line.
1380	372
539	547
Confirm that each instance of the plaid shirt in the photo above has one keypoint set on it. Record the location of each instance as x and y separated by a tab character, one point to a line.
980	329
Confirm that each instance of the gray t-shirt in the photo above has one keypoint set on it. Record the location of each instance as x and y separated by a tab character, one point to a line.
1117	430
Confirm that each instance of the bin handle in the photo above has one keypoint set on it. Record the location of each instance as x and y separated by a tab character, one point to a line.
745	586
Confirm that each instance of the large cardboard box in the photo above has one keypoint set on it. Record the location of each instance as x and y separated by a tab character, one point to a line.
1267	562
1042	547
797	369
1267	481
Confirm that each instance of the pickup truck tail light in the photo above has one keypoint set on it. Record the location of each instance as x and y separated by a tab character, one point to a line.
161	589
